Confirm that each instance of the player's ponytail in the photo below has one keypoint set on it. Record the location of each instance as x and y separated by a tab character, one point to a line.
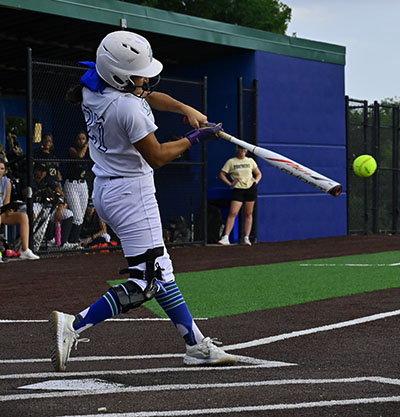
74	94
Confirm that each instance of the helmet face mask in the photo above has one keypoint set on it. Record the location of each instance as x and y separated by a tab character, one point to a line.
122	55
147	87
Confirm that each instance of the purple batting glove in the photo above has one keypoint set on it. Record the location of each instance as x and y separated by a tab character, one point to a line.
207	131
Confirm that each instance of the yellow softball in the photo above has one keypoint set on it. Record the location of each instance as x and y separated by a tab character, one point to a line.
364	166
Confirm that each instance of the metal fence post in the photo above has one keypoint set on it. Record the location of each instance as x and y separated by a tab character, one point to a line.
205	165
365	151
376	154
240	136
255	137
29	135
346	115
395	166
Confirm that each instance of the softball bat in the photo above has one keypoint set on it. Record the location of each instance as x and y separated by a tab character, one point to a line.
291	167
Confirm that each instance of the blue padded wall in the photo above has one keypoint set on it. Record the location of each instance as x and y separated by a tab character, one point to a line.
301	116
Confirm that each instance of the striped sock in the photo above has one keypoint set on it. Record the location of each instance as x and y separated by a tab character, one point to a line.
174	305
106	307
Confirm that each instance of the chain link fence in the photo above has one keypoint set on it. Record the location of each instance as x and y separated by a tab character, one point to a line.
62	215
373	203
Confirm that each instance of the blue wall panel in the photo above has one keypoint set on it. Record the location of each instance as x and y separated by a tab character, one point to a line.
300	216
301	116
300	101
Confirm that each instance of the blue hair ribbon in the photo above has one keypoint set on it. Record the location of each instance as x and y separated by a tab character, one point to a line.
91	78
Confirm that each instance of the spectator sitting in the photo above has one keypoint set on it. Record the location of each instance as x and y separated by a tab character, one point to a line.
46	186
16	167
94	230
11	217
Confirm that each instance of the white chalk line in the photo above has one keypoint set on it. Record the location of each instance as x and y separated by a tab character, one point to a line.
229	410
6	321
351	265
242	359
38	375
96	358
328	327
185	387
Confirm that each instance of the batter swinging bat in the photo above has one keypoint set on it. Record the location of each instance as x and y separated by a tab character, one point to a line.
293	168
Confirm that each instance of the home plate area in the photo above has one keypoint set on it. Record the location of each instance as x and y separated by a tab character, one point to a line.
335	357
159	385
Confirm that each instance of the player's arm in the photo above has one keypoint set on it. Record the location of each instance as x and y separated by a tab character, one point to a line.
164	102
158	154
78	154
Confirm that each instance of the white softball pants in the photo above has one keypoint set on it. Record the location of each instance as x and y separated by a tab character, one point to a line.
76	196
130	208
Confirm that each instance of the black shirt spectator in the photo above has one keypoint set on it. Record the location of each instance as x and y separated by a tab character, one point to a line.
46	151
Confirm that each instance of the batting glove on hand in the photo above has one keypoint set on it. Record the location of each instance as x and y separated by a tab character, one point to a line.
207	131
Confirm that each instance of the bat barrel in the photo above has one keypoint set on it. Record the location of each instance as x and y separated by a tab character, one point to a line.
336	190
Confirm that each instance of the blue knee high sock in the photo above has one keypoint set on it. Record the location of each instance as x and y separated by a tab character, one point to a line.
173	303
106	307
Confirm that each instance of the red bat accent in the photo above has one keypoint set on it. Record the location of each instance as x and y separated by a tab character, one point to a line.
299	168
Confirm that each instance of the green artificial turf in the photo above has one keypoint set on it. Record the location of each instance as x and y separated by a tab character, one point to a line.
225	292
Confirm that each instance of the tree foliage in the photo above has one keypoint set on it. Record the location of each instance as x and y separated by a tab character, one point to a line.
268	15
391	101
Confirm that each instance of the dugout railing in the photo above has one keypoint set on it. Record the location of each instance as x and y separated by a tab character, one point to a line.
373	203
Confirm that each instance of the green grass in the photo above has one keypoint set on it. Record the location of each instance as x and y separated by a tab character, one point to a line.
225	292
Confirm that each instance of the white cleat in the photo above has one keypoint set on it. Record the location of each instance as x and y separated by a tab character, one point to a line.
64	337
224	241
207	353
28	255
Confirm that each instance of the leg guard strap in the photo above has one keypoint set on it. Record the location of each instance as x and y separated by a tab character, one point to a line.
129	295
149	257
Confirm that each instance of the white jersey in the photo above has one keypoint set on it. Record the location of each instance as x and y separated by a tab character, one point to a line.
115	122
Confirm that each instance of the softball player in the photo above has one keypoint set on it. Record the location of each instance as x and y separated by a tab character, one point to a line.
116	100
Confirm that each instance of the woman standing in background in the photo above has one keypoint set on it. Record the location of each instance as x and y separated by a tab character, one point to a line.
245	176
